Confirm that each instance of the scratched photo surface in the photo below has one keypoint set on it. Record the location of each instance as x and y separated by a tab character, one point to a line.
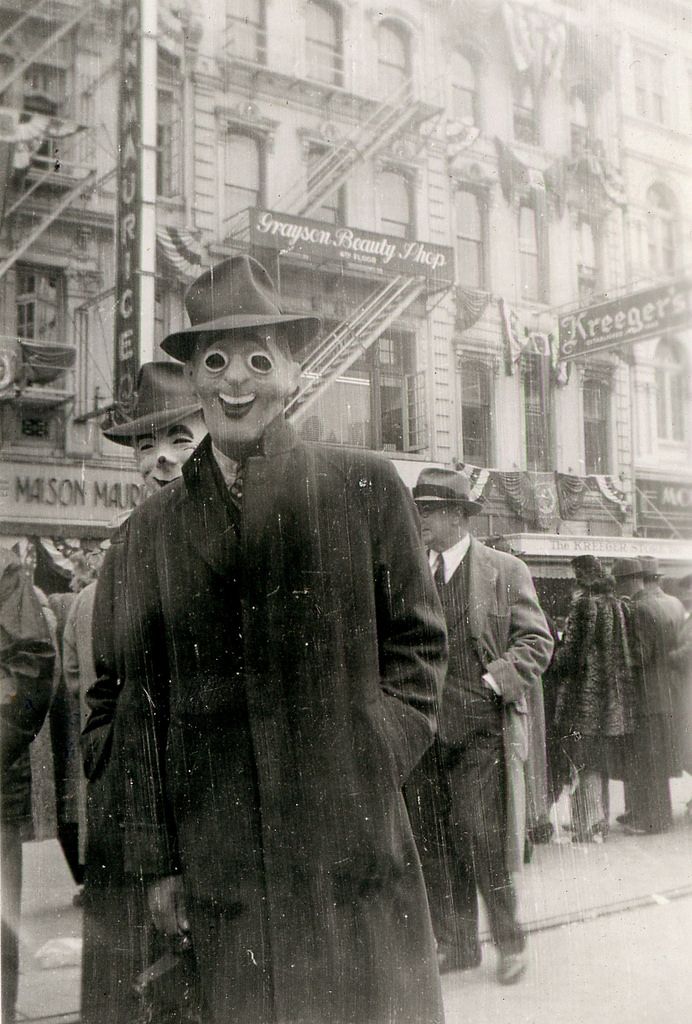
346	511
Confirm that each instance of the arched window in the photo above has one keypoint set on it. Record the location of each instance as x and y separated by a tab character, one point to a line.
395	204
323	40
469	232
660	229
242	173
464	89
671	390
393	58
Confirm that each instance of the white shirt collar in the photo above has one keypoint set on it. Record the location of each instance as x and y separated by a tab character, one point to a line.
452	557
228	466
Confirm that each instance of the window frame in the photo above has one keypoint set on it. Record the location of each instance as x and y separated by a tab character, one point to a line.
535	376
173	144
597	428
407	179
404	70
661	233
330	71
232	129
23	299
649	85
479	244
482	453
338	197
536	254
252	34
671	388
526	128
469	90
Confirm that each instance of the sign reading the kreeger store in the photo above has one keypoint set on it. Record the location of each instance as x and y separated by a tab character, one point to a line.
626	319
312	240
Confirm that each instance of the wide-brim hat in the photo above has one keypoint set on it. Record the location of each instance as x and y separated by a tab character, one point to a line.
164	396
448	486
650	566
235	294
623	567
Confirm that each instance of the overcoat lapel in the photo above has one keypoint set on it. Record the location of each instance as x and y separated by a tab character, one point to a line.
206	514
482	588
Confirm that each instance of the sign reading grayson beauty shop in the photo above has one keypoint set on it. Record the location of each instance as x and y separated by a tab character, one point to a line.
626	319
312	239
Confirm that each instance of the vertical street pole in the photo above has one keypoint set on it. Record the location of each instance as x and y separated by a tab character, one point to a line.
148	102
135	229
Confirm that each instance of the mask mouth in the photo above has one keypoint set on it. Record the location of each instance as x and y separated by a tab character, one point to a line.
161	483
235	406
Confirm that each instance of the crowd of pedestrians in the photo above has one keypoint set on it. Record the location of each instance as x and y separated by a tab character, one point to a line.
319	719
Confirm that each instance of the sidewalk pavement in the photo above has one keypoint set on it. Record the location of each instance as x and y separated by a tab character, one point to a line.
565	884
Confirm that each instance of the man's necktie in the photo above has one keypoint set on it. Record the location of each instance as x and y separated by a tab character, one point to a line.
439	571
236	488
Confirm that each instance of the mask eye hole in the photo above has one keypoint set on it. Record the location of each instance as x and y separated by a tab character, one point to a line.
216	361
260	362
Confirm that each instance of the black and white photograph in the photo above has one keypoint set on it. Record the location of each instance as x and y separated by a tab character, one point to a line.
346	511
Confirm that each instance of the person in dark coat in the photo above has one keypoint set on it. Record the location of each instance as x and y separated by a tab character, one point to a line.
596	702
27	659
468	796
280	645
654	624
681	662
118	941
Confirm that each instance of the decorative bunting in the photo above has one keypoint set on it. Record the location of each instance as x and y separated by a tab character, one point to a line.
471	304
481	479
537	41
181	251
570	494
533	496
608	489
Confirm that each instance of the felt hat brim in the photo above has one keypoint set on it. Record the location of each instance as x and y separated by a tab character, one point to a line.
470	506
125	433
300	330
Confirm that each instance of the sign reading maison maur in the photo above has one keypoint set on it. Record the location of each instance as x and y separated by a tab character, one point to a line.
313	239
626	319
67	494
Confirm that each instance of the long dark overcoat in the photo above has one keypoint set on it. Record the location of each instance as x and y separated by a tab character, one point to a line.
277	684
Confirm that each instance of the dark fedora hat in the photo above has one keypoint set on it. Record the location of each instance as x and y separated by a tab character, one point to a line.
650	567
446	485
623	567
164	396
235	294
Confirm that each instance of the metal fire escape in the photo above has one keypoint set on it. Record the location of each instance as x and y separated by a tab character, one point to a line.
336	352
53	185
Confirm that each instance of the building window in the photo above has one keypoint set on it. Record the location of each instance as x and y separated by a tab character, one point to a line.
469	235
332	208
395	202
660	229
671	391
168	155
378	403
537	412
245	30
39	298
579	125
393	59
586	260
649	91
45	88
525	117
596	425
475	414
464	90
528	253
323	42
242	174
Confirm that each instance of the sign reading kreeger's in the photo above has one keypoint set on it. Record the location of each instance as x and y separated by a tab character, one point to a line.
312	239
626	319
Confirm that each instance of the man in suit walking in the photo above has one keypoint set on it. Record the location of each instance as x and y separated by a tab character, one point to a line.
467	797
655	621
281	646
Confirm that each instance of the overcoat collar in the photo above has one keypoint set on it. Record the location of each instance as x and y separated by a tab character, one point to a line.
482	586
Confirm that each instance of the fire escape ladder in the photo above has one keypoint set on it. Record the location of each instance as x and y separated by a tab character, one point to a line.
83	185
54	37
351	338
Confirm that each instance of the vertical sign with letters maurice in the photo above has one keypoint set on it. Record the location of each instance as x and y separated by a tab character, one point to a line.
128	211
